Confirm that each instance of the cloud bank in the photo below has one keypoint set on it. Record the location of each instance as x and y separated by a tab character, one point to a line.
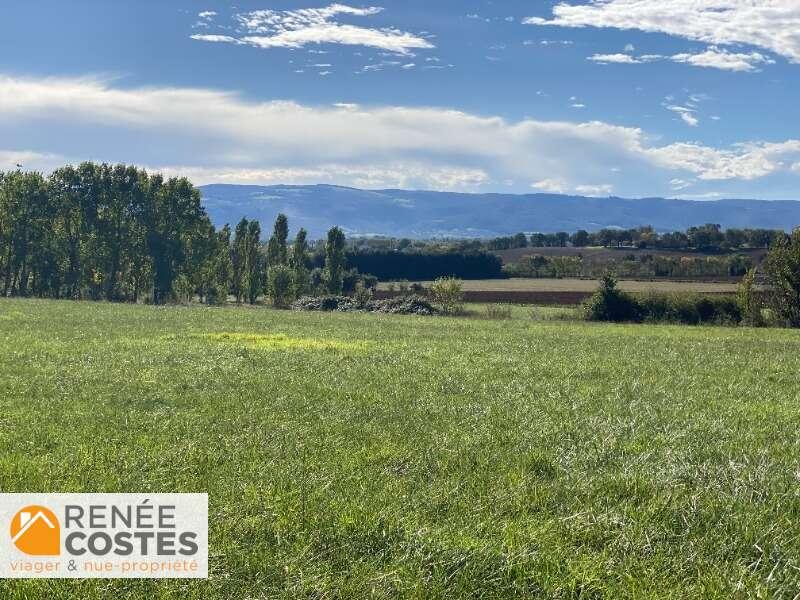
219	136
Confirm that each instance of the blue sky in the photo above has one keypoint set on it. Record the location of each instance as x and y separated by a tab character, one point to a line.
687	98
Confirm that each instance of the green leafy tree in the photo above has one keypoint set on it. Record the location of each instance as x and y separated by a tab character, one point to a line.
782	267
223	268
24	225
102	232
750	303
277	249
299	264
176	218
239	260
335	260
280	285
254	264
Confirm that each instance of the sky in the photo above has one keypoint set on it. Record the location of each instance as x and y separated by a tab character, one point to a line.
635	98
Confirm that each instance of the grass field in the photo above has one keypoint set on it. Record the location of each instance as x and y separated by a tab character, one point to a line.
587	285
350	455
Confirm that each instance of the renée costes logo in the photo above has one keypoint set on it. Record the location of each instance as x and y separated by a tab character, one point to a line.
103	536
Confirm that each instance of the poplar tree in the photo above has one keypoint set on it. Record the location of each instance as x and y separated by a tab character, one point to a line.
335	261
299	263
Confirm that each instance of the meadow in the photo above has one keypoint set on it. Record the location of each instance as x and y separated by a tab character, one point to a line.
354	455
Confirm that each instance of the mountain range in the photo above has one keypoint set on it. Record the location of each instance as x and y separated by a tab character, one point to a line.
425	214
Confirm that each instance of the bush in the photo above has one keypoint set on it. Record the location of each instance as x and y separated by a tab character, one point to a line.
403	305
612	304
690	309
323	303
362	296
448	294
498	311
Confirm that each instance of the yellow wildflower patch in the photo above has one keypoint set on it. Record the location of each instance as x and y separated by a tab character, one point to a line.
280	341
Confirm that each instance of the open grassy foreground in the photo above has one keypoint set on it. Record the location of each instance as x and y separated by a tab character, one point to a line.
350	455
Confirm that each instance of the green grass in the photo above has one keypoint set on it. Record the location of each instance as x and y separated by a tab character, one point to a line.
351	455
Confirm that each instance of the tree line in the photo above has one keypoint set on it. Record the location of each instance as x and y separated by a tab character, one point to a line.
119	233
631	265
708	238
767	296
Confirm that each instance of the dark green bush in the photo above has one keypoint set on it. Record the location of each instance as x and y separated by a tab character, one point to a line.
611	304
690	309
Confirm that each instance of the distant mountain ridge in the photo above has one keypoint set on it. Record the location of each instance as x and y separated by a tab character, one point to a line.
424	214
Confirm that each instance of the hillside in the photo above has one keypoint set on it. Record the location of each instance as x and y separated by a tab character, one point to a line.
422	214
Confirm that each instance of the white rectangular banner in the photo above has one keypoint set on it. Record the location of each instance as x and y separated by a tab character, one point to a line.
59	536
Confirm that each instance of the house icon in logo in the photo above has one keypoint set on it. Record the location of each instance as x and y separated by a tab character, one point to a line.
35	531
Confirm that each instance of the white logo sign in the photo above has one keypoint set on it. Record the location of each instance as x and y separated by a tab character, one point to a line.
103	536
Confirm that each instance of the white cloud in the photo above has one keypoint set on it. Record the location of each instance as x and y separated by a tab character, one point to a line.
215	38
392	175
772	25
207	14
679	184
744	161
298	28
713	57
685	113
722	59
549	43
594	190
624	59
560	186
552	186
213	133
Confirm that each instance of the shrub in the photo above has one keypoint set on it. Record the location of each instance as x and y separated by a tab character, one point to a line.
448	294
612	304
404	305
498	311
362	296
689	309
322	303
